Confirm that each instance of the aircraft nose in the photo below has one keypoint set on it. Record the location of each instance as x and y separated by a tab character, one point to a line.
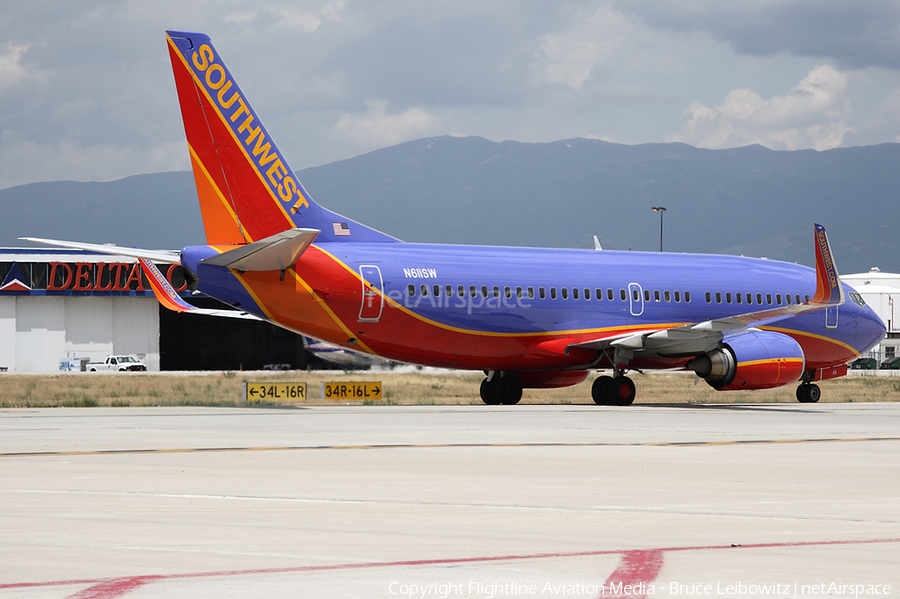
871	329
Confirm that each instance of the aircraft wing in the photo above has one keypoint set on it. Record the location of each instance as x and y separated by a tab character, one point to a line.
705	336
167	256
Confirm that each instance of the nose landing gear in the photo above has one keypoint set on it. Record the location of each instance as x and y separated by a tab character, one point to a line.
808	393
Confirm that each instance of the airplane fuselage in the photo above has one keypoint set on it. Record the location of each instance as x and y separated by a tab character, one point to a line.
501	308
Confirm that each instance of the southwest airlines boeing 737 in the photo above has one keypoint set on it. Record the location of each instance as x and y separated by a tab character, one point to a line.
527	317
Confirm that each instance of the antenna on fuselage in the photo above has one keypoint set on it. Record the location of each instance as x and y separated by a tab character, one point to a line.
597	243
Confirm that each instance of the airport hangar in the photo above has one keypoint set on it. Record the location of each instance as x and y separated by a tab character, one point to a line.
58	306
62	307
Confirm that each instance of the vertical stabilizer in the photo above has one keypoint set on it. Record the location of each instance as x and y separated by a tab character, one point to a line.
829	290
246	188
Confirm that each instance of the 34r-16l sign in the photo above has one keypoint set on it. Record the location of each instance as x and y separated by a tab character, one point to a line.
352	390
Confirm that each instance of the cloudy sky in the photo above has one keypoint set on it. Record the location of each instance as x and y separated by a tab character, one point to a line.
86	91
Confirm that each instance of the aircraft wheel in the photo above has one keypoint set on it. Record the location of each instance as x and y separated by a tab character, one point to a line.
509	390
598	390
808	393
489	393
620	391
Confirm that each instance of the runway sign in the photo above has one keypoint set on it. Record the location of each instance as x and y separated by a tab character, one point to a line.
352	390
274	392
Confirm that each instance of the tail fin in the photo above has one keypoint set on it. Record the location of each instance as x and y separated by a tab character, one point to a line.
246	188
829	291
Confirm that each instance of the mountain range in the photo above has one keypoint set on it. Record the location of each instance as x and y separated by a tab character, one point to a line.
750	201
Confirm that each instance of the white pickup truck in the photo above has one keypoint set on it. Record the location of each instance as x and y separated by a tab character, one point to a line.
117	364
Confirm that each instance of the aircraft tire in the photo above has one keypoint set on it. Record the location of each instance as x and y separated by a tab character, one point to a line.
598	390
489	392
620	392
509	390
808	393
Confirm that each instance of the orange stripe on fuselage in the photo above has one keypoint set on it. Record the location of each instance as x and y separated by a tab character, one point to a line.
323	300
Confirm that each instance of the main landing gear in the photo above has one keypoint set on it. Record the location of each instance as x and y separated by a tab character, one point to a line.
501	388
808	393
610	391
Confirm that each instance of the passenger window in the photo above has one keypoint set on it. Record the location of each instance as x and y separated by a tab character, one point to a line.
687	297
678	296
738	297
727	298
587	293
424	290
461	291
778	298
553	293
437	291
759	298
708	297
531	293
411	290
718	297
598	293
496	291
769	298
449	290
656	295
507	292
484	291
635	295
472	291
519	292
574	293
646	295
623	295
788	299
541	293
797	298
807	298
609	294
667	296
565	292
749	298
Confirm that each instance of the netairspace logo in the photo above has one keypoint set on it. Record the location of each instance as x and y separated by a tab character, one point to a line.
492	590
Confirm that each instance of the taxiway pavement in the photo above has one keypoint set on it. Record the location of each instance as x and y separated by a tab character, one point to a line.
451	501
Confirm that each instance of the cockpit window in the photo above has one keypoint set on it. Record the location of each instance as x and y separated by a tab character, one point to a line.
858	299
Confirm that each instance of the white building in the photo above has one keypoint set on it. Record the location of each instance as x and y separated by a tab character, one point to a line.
881	290
61	304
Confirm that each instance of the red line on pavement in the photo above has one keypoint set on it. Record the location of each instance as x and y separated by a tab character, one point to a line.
641	564
636	570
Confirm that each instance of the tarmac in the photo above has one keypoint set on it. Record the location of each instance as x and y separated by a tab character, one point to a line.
738	500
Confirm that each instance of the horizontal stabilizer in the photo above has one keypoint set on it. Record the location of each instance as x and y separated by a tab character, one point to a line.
169	298
166	256
276	252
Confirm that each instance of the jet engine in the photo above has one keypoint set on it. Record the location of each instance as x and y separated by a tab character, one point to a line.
752	360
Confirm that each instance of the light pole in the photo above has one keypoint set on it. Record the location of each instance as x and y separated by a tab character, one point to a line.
661	210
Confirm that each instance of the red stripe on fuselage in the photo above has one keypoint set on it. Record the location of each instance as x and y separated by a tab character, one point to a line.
322	299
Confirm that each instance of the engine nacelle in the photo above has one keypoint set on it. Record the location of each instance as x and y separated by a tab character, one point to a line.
752	360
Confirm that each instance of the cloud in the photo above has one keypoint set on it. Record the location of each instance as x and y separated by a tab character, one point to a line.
377	127
854	35
306	21
600	47
11	69
814	114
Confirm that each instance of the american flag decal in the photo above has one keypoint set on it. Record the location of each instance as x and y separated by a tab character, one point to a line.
341	228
